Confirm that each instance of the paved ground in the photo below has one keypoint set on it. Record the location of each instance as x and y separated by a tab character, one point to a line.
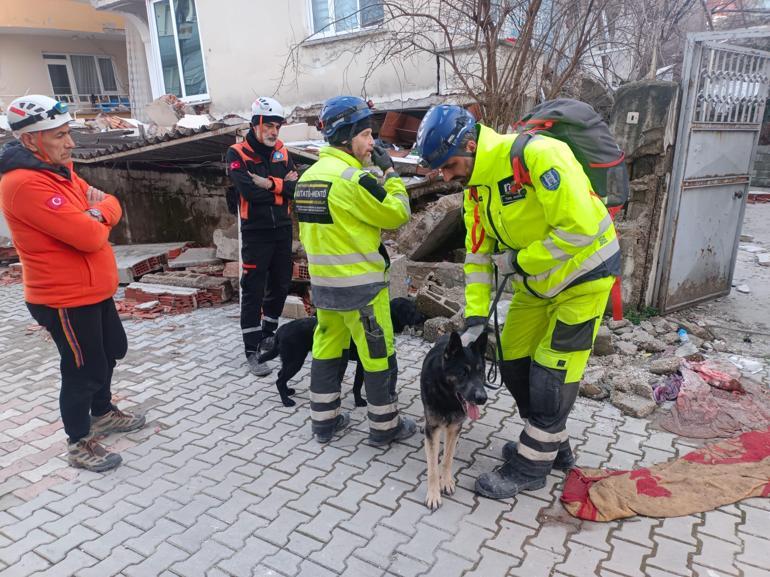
226	481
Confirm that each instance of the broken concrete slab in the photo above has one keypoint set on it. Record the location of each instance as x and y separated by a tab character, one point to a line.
430	229
135	260
603	342
665	365
591	384
195	257
448	274
435	328
763	259
226	241
294	308
615	325
626	348
400	281
633	405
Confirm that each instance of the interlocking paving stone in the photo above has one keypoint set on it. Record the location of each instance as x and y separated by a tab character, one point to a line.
224	480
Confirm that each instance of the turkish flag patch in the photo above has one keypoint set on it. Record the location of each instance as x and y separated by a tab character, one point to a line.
235	165
56	202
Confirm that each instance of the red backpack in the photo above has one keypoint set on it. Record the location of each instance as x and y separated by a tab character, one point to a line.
579	126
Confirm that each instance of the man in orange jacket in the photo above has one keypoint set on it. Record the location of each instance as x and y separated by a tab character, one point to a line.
60	226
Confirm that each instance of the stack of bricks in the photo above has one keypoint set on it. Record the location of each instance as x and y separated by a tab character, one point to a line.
212	290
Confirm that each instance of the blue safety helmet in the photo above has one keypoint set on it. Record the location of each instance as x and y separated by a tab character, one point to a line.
441	134
341	112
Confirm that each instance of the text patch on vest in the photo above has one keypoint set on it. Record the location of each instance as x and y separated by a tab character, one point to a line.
508	191
311	201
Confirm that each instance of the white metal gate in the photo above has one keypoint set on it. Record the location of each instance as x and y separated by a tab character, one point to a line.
724	89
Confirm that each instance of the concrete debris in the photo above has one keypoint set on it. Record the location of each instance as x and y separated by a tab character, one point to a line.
603	342
662	326
208	269
743	288
752	248
226	241
217	289
447	274
174	299
232	270
631	380
626	348
433	300
294	308
670	338
615	325
686	350
430	229
747	238
665	365
400	281
694	329
763	259
647	326
195	257
633	405
136	260
591	384
437	327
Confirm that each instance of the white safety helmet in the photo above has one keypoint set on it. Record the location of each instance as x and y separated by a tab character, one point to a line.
265	106
35	112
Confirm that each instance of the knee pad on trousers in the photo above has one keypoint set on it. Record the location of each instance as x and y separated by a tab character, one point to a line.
515	375
551	399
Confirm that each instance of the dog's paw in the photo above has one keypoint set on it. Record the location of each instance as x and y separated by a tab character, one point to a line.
433	500
287	402
291	391
448	485
360	402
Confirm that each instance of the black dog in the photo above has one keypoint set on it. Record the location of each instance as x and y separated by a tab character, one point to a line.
451	388
294	340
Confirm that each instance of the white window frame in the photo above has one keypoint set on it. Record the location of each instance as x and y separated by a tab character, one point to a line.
73	84
156	69
330	32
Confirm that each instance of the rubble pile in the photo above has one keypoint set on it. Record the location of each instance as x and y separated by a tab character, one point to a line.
10	275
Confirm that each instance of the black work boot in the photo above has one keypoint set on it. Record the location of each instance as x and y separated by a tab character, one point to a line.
340	423
564	461
406	428
507	481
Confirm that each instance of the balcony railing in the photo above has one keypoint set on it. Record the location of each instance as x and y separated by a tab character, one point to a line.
95	102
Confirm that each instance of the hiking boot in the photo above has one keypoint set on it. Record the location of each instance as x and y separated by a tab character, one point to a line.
505	482
258	369
564	461
116	421
406	428
88	453
340	423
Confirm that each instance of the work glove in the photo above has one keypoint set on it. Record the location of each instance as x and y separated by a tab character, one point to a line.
506	262
471	334
381	158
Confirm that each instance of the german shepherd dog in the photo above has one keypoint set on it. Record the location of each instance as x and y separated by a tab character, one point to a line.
451	388
294	340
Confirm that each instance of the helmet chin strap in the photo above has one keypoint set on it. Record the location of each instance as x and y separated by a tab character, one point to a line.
41	152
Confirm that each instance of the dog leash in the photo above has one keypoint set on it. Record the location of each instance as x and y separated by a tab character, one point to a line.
492	372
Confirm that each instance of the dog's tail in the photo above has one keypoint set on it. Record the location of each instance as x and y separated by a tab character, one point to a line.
270	354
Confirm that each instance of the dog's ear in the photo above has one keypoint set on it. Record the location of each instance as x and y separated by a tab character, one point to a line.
454	347
479	346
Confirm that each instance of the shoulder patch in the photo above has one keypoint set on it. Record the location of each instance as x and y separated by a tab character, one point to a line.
278	156
235	165
56	202
550	179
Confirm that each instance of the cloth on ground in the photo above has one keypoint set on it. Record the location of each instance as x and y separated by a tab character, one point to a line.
710	477
705	412
668	390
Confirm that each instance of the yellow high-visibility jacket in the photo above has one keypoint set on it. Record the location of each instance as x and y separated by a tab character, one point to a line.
341	211
559	228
